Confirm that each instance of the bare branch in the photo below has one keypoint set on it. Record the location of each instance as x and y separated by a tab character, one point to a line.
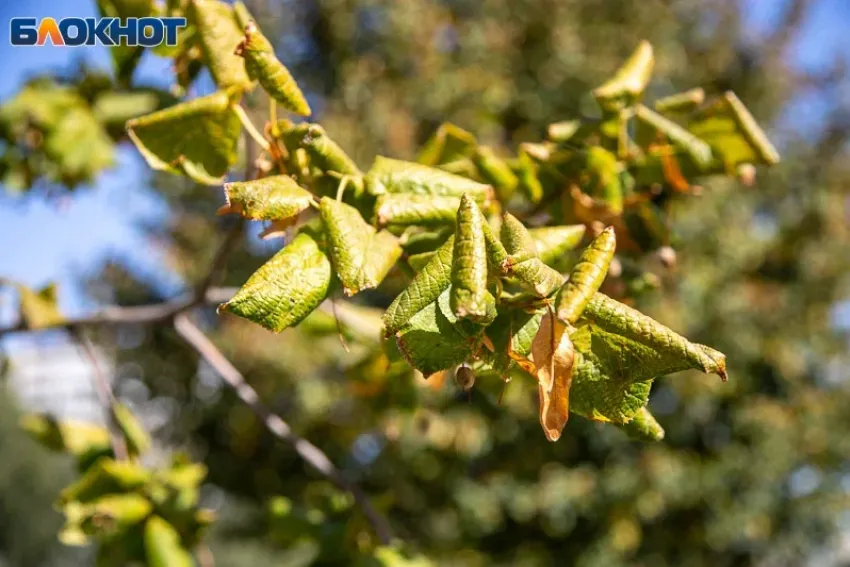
311	454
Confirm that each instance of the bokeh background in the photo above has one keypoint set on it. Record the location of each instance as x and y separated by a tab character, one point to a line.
752	472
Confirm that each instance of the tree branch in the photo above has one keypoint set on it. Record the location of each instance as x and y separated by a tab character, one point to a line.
311	454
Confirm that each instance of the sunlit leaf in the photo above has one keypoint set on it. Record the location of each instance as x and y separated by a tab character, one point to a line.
39	309
220	34
428	284
643	427
106	476
698	150
262	64
732	132
552	242
137	438
449	143
163	547
682	102
495	171
604	182
404	209
361	255
395	176
629	81
74	437
528	182
286	288
112	515
524	262
197	137
587	276
563	131
470	298
270	198
323	151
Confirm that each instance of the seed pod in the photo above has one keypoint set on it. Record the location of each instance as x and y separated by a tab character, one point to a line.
465	378
469	295
586	277
262	65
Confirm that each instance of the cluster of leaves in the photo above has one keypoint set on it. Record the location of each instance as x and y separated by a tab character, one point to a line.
135	513
471	290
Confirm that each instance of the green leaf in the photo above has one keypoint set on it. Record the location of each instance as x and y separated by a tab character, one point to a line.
115	108
220	34
163	547
396	176
552	242
643	427
679	103
448	144
112	515
524	262
529	183
39	309
197	137
562	131
614	317
324	153
74	437
495	171
515	328
286	288
629	81
106	476
138	440
605	183
361	255
425	288
732	132
242	15
271	198
263	65
698	150
404	209
430	341
125	58
470	298
587	276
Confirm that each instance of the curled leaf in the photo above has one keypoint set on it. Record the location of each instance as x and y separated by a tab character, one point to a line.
526	172
643	427
138	440
629	81
404	209
323	151
74	437
614	317
262	65
219	34
698	150
587	276
523	261
425	288
163	547
270	198
197	137
682	102
604	170
106	476
470	298
286	288
111	516
449	143
396	176
563	131
495	171
553	355
361	255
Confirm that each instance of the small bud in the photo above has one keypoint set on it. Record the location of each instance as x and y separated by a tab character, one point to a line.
747	174
667	256
465	378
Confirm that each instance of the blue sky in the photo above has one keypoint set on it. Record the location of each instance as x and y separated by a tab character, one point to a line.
62	239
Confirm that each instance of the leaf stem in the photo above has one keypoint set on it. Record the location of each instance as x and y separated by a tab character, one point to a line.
250	128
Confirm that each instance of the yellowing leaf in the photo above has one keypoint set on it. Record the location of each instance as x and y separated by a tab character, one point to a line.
220	34
39	309
629	81
262	64
361	255
286	288
470	298
276	197
74	437
197	137
112	515
163	547
587	276
106	476
396	176
553	354
425	288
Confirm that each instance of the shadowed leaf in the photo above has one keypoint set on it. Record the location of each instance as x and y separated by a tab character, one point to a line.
220	34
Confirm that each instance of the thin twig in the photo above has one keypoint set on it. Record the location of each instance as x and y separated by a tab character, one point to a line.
104	394
311	454
250	128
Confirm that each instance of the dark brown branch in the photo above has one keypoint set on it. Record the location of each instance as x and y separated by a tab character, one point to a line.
311	454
